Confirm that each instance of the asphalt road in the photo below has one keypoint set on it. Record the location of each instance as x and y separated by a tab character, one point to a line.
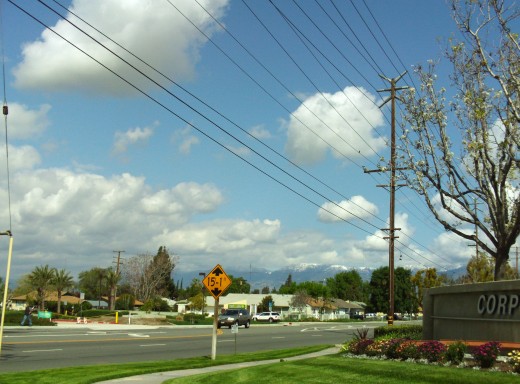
25	348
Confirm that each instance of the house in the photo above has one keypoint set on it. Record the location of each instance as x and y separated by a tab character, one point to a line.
20	302
250	302
97	304
348	309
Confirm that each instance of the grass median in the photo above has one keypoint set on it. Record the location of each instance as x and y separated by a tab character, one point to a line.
327	369
333	369
92	374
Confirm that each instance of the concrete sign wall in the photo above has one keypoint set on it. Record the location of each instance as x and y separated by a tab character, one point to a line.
484	311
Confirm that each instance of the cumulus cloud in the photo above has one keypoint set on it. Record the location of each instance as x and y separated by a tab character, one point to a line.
122	140
27	123
324	124
355	208
377	241
184	139
260	132
66	218
155	31
20	158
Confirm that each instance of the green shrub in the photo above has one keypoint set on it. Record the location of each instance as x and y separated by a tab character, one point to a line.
125	301
413	332
455	352
193	318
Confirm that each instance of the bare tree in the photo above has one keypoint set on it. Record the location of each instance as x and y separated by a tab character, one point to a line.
146	274
299	300
475	193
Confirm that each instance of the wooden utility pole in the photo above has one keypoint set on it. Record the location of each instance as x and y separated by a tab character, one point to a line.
118	263
392	187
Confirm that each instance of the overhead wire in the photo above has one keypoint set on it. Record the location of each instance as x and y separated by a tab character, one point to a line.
227	119
395	67
297	31
221	114
390	60
271	96
210	137
189	123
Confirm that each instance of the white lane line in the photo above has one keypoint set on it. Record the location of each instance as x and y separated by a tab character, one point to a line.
43	350
138	335
225	341
278	337
152	345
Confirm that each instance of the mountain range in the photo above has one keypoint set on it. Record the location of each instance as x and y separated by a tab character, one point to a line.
260	278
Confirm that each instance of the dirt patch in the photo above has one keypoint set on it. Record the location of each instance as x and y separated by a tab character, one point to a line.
144	320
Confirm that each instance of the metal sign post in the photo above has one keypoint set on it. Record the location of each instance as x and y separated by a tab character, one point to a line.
216	283
214	334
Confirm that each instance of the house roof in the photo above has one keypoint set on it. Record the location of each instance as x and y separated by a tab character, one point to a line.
346	304
50	296
321	304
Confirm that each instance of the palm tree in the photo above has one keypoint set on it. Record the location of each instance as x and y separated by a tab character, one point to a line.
112	279
41	279
61	281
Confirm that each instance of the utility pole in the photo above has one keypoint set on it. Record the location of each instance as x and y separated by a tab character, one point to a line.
118	262
391	231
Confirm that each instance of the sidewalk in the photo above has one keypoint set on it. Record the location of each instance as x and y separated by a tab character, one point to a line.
159	377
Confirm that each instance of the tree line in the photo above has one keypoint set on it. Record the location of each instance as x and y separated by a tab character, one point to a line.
149	278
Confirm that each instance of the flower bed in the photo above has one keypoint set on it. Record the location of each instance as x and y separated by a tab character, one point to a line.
484	356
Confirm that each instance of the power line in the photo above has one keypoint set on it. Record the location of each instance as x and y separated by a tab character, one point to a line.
191	124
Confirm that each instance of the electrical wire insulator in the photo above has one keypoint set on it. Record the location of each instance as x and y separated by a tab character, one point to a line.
5	110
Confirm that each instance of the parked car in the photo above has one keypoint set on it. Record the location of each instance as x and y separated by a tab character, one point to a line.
234	316
267	316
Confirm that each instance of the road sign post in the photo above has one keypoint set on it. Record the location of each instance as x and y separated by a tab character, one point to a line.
216	282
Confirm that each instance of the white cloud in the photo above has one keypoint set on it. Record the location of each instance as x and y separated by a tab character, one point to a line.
457	248
75	220
26	123
185	140
260	132
122	140
153	30
20	158
355	208
355	105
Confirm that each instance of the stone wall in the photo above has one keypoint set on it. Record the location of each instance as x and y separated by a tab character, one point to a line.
484	311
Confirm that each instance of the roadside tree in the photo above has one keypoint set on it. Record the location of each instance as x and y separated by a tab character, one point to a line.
41	280
461	155
61	281
148	275
346	285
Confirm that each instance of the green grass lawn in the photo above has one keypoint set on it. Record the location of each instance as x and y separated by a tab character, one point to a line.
336	369
328	369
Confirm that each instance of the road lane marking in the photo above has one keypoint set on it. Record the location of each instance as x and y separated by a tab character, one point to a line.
103	340
152	345
138	335
278	337
43	350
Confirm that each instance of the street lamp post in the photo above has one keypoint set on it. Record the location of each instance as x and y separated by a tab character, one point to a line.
203	274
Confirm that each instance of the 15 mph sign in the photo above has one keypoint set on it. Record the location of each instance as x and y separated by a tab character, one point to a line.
217	281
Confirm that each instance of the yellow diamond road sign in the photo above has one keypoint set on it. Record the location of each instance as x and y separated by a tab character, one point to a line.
217	281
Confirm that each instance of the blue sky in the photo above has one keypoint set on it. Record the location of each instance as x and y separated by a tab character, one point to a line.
96	165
